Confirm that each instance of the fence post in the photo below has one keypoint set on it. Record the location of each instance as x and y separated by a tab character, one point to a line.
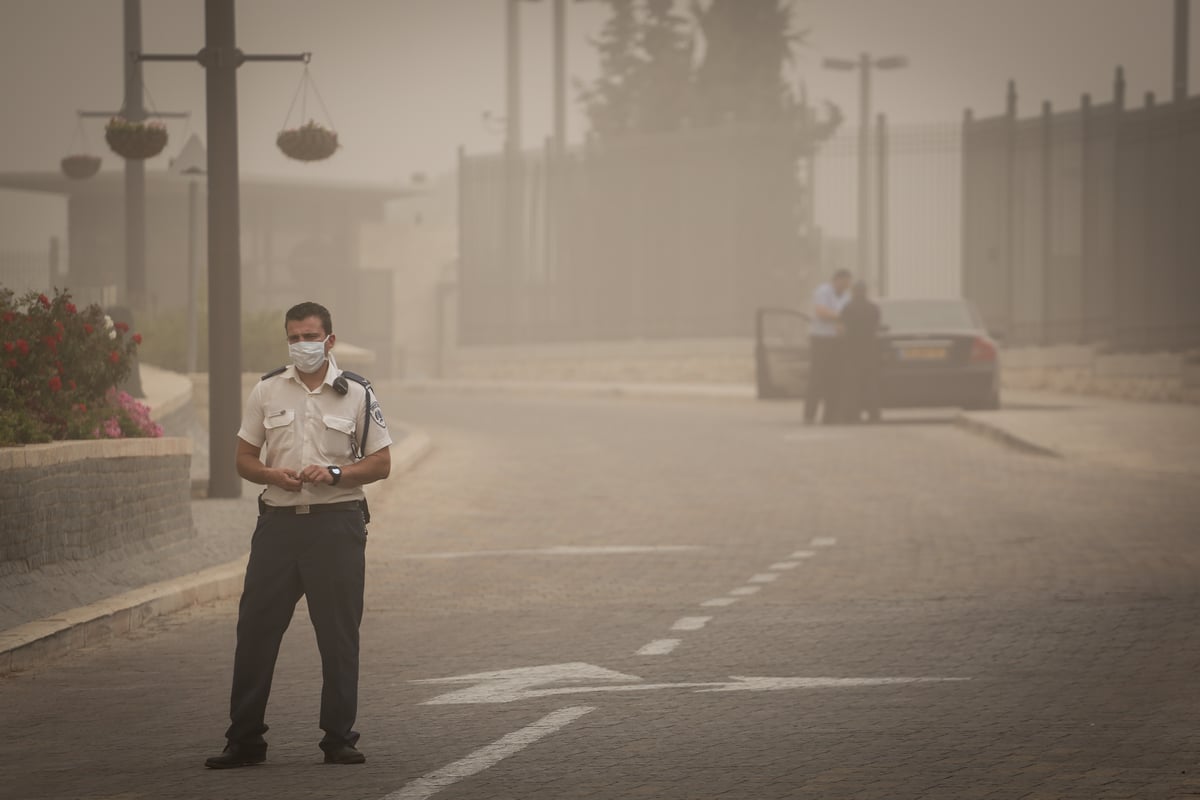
1047	147
1085	217
881	145
1114	311
1010	214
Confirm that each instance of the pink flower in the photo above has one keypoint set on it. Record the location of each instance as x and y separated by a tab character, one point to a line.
45	301
114	357
137	338
23	346
55	384
71	309
87	328
121	326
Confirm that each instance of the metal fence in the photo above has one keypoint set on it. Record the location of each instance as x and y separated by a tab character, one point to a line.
673	236
1081	226
915	210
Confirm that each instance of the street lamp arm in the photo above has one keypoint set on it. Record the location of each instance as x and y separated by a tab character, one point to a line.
840	64
891	62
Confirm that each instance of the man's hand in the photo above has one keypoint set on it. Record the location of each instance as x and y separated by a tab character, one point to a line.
316	474
285	479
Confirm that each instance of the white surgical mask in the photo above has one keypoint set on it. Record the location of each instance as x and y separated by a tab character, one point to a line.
308	356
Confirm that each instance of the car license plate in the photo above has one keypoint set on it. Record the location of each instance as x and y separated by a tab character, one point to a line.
923	354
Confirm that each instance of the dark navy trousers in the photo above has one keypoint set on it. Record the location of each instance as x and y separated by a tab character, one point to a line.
322	557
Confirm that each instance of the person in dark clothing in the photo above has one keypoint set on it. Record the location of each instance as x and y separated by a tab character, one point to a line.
860	320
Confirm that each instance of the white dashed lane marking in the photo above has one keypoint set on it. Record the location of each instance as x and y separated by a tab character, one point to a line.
781	565
690	623
824	541
802	554
719	602
659	647
764	577
742	591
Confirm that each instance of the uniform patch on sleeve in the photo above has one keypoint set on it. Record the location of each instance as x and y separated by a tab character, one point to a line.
377	414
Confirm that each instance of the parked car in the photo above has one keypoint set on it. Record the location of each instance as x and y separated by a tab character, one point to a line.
933	352
937	353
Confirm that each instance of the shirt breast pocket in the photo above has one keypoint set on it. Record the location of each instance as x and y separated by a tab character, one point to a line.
280	428
338	437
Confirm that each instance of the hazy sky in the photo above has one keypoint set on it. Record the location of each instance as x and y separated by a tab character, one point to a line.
407	81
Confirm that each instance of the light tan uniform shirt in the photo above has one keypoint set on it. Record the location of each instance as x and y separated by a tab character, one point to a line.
296	427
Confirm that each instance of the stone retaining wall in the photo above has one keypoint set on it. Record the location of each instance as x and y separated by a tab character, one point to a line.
74	500
1156	377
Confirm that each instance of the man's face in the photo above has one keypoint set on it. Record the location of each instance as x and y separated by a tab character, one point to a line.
309	329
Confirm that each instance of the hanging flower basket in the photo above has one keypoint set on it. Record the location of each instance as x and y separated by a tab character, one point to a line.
310	142
80	167
138	140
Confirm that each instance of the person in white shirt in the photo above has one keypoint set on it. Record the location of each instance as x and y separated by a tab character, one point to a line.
824	344
314	435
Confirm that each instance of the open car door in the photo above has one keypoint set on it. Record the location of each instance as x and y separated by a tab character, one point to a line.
781	353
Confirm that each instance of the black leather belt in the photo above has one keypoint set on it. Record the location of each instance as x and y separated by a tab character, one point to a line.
315	508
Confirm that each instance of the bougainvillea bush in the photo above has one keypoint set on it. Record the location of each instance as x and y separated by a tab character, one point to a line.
59	371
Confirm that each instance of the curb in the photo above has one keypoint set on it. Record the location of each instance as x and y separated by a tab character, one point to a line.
1000	435
41	641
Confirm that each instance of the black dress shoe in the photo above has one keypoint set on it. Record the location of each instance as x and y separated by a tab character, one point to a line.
344	754
232	757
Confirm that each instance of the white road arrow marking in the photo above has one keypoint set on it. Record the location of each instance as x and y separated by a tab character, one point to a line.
510	685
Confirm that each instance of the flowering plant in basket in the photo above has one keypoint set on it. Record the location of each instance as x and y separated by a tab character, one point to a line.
310	142
59	366
135	139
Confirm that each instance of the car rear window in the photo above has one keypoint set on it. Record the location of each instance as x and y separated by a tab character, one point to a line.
928	315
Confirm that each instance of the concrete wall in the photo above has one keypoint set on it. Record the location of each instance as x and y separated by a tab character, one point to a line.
74	500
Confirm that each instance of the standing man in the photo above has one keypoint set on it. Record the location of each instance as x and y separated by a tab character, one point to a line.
314	436
860	370
824	348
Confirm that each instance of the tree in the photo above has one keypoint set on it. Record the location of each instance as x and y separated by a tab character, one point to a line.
664	82
747	46
651	81
609	102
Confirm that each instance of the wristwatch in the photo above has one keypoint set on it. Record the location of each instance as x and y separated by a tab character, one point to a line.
336	472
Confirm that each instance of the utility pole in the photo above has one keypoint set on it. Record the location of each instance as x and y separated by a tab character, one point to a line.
560	75
221	59
512	92
1182	37
132	109
135	169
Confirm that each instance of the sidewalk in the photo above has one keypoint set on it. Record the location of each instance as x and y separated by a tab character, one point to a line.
1150	437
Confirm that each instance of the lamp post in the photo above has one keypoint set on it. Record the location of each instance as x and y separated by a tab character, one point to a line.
221	59
865	64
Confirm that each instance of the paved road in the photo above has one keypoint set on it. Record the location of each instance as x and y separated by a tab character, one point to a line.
677	571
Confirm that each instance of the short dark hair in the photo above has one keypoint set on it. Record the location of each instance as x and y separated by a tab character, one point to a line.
302	311
842	273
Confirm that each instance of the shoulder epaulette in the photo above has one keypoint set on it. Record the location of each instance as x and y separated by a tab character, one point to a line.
359	379
273	373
